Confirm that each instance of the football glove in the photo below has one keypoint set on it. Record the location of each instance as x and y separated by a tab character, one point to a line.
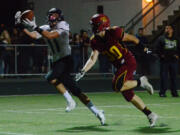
147	51
143	47
17	17
32	23
79	75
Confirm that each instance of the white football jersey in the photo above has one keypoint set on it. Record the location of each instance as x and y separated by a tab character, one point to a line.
59	46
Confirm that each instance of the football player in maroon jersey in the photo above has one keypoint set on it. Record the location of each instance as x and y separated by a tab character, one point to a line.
107	40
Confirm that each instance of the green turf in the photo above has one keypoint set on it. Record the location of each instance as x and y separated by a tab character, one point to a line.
45	115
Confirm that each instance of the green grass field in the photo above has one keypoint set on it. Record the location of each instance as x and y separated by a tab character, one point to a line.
45	115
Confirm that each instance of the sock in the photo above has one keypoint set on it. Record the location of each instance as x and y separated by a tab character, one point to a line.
92	108
67	96
146	111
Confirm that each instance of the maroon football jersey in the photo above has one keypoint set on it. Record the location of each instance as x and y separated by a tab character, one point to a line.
110	46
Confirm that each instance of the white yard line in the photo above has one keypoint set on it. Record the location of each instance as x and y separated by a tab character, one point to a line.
9	133
21	111
109	106
82	108
90	114
62	110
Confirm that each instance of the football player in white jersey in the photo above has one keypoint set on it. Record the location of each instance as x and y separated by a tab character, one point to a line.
56	33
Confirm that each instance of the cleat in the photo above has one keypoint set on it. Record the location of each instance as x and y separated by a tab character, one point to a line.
71	106
101	117
152	119
145	84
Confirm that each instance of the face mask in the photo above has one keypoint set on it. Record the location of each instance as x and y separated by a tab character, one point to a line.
52	18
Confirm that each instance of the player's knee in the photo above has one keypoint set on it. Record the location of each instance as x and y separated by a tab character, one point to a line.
124	87
52	79
55	82
128	95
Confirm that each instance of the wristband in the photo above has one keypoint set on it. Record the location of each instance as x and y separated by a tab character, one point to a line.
38	29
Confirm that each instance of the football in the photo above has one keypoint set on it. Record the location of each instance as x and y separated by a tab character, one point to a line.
27	14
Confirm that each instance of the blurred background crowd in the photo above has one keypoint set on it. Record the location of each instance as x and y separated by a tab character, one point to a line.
20	54
24	57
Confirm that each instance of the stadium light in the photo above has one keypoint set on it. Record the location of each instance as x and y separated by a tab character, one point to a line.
148	1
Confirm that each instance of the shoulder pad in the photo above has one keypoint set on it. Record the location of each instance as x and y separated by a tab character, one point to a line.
63	25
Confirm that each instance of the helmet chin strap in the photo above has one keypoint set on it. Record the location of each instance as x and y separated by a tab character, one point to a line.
52	24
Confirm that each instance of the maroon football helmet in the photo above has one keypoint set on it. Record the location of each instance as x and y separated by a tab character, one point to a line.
99	22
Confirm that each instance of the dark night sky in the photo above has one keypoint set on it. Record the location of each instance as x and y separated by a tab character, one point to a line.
7	10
